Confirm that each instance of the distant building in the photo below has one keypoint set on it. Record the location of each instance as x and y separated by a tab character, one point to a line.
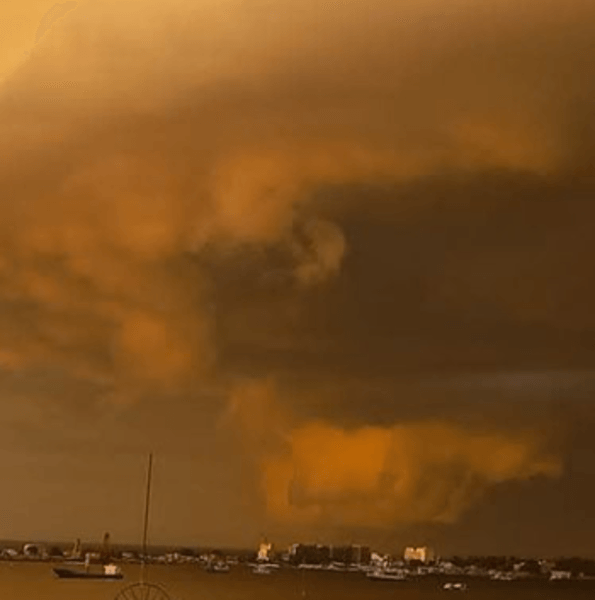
34	551
351	555
422	554
309	554
264	551
361	554
318	554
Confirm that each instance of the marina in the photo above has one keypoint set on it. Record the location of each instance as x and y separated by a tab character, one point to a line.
187	582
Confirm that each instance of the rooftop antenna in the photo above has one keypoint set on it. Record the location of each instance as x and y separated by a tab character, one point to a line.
143	590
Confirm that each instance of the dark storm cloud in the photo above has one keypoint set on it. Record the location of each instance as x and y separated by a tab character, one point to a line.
502	282
353	192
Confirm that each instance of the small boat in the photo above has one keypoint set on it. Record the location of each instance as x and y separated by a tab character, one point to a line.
217	567
109	572
560	575
263	569
383	575
455	587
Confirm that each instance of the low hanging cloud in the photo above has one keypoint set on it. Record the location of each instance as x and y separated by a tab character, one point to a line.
370	476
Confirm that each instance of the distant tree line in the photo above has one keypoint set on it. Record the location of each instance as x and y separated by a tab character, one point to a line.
575	565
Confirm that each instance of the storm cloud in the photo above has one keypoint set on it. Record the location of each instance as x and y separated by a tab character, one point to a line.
339	196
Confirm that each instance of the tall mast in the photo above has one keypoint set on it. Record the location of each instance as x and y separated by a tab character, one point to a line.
146	520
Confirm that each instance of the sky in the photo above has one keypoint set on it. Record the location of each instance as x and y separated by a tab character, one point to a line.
331	262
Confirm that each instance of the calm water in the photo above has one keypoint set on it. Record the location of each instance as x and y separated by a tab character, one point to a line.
20	581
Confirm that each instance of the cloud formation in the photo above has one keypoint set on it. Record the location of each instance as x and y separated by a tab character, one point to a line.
317	473
133	139
192	190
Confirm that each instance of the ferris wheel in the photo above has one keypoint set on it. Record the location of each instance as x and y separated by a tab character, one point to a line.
143	591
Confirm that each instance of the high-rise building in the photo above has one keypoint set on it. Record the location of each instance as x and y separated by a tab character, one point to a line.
264	551
354	554
422	554
309	554
361	554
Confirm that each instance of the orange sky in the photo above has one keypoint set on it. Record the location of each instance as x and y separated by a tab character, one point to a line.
20	24
378	211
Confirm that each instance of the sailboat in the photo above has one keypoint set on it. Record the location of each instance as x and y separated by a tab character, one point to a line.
144	589
110	570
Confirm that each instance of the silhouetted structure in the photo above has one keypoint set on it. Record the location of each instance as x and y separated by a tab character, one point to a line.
105	548
309	554
351	555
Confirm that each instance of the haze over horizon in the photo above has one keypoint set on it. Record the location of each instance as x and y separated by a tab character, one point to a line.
332	263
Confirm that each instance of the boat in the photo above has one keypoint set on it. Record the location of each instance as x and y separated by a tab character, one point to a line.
384	575
264	569
560	575
338	567
217	567
455	587
109	572
503	576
